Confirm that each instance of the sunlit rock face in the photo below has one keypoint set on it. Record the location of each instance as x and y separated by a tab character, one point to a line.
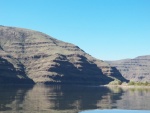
32	55
137	69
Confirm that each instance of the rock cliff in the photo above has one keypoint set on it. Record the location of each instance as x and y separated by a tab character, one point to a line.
137	69
31	55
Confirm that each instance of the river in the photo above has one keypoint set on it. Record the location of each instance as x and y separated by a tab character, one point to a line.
42	98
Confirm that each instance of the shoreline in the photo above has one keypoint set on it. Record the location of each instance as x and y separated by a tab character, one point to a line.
128	86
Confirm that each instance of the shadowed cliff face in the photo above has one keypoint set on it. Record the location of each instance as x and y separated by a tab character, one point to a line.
137	69
45	59
12	72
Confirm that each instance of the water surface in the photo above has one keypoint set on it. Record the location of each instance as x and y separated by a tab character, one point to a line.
116	111
71	99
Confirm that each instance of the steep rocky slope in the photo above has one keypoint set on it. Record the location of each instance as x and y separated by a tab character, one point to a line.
12	71
137	69
41	58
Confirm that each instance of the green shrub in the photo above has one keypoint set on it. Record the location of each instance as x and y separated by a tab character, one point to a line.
139	83
131	83
115	82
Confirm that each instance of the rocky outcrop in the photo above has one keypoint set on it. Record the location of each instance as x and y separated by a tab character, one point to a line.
137	69
41	58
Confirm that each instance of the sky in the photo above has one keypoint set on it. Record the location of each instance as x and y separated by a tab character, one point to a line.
106	29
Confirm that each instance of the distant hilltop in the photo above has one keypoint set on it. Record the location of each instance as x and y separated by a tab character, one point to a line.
137	69
28	56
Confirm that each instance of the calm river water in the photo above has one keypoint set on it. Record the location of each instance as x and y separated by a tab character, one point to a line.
72	99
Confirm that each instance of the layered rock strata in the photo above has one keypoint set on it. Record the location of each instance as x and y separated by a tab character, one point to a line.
36	56
137	69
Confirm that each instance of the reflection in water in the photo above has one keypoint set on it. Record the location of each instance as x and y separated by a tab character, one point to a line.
12	96
72	99
135	98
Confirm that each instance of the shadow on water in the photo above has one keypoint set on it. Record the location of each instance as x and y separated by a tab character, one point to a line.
12	95
72	99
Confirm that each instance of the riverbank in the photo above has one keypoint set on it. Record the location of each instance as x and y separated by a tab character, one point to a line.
127	86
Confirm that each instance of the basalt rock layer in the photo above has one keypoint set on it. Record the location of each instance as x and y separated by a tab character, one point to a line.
137	69
34	56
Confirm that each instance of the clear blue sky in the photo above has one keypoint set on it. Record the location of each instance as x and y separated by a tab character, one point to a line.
106	29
